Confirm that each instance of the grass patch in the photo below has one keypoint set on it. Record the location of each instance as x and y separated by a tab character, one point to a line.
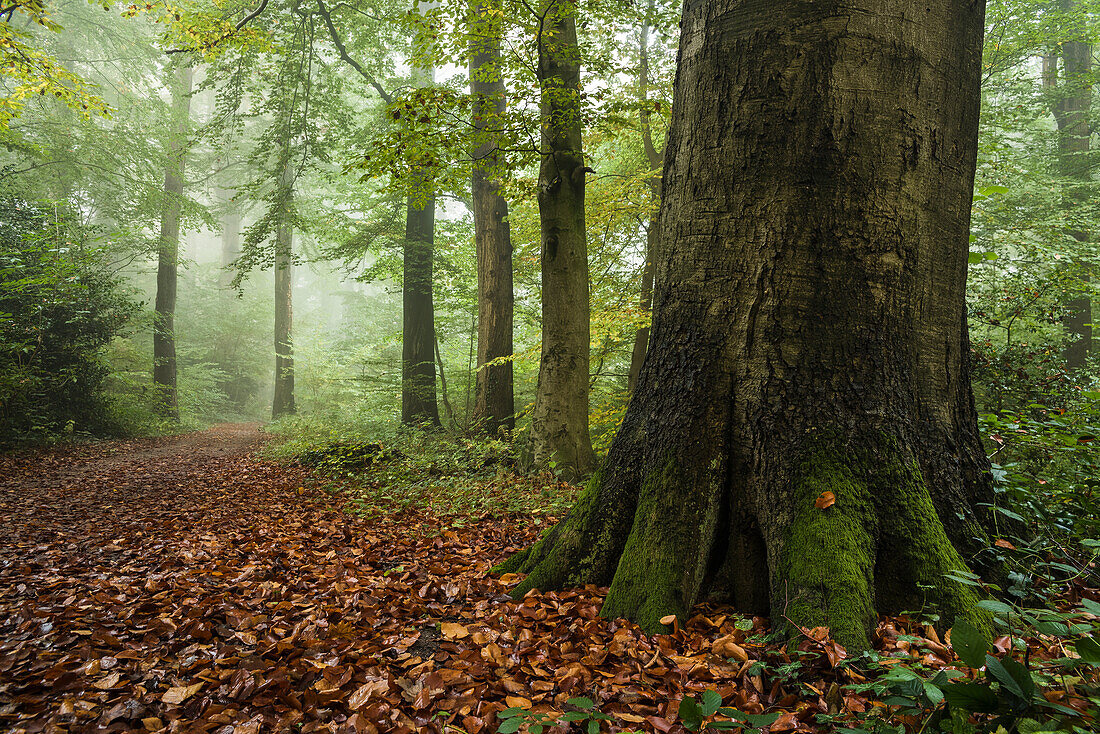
377	467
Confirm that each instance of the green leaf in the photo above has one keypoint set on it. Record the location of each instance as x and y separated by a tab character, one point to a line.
711	701
1089	650
593	727
759	721
969	643
509	726
691	715
575	716
973	697
997	607
1013	677
582	702
934	694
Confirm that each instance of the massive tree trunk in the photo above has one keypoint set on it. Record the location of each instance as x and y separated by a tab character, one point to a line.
802	441
645	297
282	402
1071	104
559	421
168	247
493	400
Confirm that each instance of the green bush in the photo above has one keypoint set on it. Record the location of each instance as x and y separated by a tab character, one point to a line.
60	305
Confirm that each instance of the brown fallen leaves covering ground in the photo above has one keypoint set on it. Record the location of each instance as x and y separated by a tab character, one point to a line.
179	585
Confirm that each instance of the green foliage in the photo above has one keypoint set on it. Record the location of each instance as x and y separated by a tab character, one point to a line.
1008	696
60	305
585	716
380	466
707	714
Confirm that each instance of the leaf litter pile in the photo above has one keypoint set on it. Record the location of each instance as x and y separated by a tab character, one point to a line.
181	585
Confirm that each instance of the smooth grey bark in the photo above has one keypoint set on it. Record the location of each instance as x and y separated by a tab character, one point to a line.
559	420
808	331
168	247
1071	105
494	402
282	402
645	296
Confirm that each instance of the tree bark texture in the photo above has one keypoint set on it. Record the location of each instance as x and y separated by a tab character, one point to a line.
1072	106
494	403
168	247
809	332
418	399
559	420
418	395
645	296
282	403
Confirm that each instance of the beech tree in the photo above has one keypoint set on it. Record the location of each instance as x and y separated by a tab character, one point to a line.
1070	88
282	401
493	399
168	247
802	440
559	419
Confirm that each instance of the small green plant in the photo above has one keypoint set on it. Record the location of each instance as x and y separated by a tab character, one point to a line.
586	716
707	714
1008	696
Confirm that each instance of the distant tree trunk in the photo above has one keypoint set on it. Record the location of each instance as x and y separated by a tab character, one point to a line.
494	402
1072	106
283	401
559	421
802	441
645	299
164	320
231	239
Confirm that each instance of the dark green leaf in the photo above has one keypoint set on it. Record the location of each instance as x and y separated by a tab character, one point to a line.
711	701
969	643
1089	650
691	715
973	697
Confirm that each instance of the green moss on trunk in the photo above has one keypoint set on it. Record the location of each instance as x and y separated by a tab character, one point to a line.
826	569
880	548
663	563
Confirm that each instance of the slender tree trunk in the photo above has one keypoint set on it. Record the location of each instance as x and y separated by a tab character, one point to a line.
164	321
494	402
282	402
418	398
559	421
448	409
231	239
645	299
802	425
1071	107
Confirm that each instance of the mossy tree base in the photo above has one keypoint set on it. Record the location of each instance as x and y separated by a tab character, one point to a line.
809	331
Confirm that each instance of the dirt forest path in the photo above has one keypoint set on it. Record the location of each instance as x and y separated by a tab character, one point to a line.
182	585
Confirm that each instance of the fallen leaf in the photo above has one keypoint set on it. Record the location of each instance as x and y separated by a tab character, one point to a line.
108	681
825	500
179	694
454	631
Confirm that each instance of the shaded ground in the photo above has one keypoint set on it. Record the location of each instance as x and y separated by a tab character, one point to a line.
181	585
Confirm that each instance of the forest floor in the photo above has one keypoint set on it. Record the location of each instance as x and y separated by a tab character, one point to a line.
182	584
